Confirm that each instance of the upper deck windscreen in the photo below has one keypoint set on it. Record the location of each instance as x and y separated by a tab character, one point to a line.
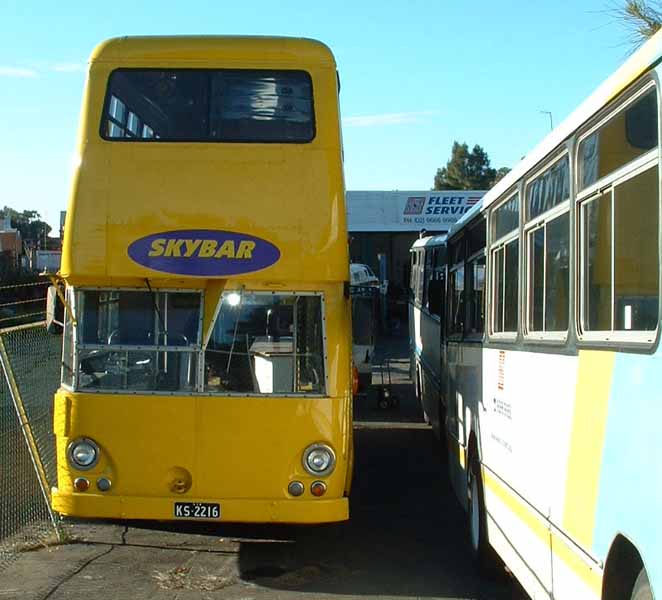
204	105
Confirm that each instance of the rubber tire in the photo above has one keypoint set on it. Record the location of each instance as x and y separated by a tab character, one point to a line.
485	558
642	587
383	401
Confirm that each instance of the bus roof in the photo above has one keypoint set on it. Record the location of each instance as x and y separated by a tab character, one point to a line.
431	240
647	56
213	48
465	218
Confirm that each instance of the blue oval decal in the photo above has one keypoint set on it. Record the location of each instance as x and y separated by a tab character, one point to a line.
203	252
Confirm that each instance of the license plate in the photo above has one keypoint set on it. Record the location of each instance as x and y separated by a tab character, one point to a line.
197	510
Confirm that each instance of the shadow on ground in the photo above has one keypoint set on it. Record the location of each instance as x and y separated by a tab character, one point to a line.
406	536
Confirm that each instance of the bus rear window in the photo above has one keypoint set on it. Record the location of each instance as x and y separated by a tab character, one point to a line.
203	105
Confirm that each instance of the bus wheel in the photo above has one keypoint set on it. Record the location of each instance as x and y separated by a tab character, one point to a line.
483	554
642	587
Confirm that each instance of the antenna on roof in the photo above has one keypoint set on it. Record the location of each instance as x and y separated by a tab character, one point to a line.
551	120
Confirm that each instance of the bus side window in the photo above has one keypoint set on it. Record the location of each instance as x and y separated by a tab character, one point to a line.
619	222
475	305
547	238
413	276
457	298
610	253
419	276
629	134
504	256
427	276
456	282
438	283
475	279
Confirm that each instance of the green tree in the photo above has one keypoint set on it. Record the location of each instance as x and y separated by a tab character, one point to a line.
467	170
500	174
28	222
641	17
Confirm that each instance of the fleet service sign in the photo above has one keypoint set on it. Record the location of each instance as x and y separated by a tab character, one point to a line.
203	252
408	211
435	211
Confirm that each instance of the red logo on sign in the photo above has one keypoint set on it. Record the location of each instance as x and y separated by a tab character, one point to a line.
414	205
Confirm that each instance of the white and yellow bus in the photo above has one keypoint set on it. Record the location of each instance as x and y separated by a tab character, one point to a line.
550	348
207	348
426	335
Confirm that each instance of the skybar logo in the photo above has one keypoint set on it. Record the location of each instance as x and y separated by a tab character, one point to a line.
203	252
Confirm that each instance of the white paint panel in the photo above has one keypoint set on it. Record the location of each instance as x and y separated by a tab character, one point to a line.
567	584
560	420
527	421
527	555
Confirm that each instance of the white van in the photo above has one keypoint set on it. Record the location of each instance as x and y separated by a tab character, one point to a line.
364	291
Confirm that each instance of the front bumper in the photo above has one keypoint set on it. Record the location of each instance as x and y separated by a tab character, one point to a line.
234	510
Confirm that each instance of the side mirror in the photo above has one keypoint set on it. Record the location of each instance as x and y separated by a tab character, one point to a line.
54	312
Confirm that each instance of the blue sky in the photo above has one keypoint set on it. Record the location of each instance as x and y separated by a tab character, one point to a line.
416	75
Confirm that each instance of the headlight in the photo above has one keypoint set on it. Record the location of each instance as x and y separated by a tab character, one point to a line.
319	459
83	454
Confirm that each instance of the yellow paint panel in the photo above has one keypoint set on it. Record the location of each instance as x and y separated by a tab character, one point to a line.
586	444
145	440
592	578
291	195
206	48
517	506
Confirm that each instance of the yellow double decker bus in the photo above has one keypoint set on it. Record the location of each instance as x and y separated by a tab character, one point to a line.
207	348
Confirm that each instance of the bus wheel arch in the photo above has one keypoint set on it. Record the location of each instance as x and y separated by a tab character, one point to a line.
625	574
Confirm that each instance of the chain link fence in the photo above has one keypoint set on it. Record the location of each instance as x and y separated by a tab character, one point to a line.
29	375
22	303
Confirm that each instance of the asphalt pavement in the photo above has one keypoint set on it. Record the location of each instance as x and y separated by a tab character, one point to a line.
406	537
